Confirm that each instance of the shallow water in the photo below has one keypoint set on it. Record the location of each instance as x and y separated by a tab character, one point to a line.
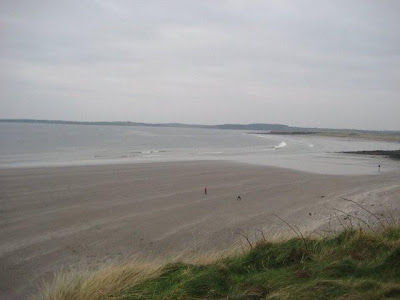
34	145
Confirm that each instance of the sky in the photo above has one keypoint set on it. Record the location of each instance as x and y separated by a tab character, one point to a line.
304	63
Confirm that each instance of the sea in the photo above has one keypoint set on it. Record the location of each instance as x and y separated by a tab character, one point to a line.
24	145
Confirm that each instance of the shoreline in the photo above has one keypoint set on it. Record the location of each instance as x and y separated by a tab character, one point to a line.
389	136
362	164
394	154
87	216
78	165
28	146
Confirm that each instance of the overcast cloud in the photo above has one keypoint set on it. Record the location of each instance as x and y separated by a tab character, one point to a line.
303	63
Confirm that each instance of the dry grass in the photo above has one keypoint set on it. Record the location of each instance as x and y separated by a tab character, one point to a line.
354	263
111	280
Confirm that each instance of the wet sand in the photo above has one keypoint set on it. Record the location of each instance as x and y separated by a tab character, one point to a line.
83	217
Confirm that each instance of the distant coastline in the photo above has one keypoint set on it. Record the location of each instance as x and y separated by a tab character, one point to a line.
265	128
387	136
254	126
270	128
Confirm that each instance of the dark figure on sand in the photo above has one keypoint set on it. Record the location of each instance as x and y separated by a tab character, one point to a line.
205	191
239	198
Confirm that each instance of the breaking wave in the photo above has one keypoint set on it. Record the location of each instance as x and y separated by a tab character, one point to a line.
281	145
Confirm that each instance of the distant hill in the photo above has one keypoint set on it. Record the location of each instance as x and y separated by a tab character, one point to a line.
128	123
268	128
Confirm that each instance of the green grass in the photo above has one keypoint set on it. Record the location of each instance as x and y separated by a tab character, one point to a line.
351	265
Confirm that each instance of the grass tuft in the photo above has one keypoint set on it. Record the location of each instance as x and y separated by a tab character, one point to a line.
354	264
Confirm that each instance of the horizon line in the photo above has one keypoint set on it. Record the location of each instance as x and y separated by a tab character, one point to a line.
210	126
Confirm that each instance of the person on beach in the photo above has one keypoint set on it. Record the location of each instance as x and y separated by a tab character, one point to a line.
379	168
205	191
239	198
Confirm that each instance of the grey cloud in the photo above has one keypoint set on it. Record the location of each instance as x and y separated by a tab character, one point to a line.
308	63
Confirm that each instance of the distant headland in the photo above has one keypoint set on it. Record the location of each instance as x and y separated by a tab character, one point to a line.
265	128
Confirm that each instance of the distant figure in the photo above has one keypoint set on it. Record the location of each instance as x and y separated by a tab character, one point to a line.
239	198
205	191
379	168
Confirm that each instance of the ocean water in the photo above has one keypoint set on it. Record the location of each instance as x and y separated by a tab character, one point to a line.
38	145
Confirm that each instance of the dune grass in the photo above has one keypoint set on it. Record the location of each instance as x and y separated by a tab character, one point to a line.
353	264
101	284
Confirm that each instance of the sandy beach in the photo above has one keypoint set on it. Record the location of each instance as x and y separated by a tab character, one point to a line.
83	217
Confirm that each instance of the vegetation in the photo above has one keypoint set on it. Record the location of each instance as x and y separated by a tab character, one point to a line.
353	264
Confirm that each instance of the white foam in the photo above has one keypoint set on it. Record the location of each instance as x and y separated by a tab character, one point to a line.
281	145
151	151
263	136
